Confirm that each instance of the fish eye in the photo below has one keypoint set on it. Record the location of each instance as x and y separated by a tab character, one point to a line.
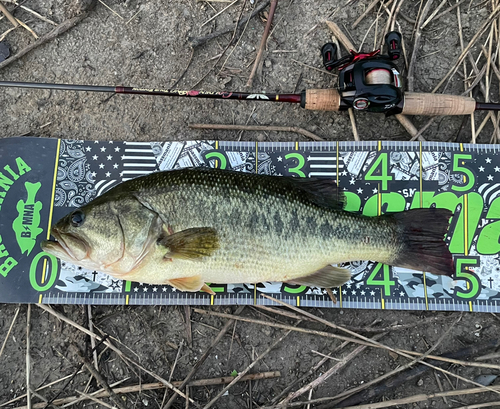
77	218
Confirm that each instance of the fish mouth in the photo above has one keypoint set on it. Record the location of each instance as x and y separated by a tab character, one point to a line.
61	249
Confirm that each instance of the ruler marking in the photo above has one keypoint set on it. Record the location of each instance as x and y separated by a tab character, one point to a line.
421	177
256	157
216	160
337	162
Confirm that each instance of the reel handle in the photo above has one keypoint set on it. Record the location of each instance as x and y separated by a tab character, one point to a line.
414	103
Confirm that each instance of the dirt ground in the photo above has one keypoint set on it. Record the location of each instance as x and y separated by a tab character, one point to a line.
145	44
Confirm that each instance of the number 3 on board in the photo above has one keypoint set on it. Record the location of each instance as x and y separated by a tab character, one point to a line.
301	162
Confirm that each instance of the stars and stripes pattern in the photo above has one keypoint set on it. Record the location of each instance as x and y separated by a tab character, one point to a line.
115	162
324	165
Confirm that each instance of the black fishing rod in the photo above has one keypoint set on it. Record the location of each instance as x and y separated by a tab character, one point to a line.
314	99
294	98
367	82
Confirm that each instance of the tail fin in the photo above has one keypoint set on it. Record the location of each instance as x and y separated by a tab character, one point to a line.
423	247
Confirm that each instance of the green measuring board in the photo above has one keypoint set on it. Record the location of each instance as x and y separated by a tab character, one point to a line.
41	180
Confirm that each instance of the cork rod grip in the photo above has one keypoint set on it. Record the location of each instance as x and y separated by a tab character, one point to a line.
322	99
437	104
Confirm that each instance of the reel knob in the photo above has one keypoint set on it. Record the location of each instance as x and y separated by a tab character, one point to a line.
329	54
393	43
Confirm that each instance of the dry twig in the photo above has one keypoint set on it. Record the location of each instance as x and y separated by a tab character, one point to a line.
263	41
7	14
98	376
110	9
37	15
392	14
333	370
466	50
56	32
101	393
197	41
248	368
219	13
416	44
433	14
92	339
9	331
370	7
97	400
258	128
353	125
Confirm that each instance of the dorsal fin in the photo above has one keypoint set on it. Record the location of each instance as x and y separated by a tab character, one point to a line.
323	192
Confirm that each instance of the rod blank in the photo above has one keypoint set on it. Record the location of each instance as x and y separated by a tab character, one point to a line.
64	87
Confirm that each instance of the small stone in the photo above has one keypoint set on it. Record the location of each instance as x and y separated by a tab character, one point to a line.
420	382
261	137
268	63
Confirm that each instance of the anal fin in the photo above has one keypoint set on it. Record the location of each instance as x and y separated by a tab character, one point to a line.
327	277
194	283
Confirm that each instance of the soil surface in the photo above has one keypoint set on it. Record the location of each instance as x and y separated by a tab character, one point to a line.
146	44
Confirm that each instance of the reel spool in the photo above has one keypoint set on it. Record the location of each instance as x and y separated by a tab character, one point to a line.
378	76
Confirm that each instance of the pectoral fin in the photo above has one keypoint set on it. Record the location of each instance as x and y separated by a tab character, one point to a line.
190	244
327	277
194	283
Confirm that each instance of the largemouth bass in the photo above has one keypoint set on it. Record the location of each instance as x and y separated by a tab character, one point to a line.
189	227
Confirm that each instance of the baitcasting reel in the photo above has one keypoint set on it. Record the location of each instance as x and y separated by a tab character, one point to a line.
368	81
